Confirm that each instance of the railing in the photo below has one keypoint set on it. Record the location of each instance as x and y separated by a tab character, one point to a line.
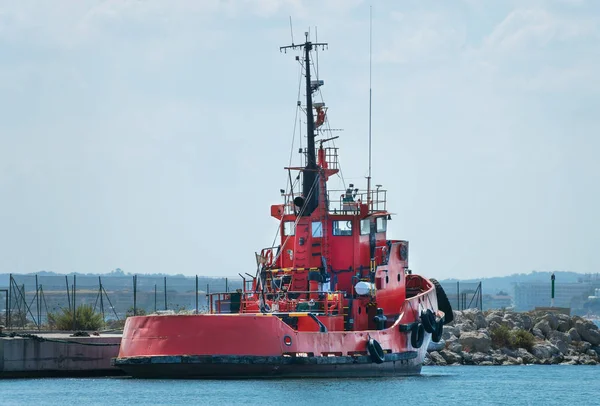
340	202
348	201
280	303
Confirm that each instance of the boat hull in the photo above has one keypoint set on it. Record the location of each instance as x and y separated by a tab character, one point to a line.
264	346
239	367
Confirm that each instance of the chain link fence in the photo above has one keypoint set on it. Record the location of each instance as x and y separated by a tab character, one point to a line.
31	300
464	295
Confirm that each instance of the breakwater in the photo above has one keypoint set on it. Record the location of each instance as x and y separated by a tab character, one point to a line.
510	338
57	354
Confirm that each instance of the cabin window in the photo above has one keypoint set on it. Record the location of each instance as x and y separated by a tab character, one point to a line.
365	227
289	228
317	229
342	227
381	224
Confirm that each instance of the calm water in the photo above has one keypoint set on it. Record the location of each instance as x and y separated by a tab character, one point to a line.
464	385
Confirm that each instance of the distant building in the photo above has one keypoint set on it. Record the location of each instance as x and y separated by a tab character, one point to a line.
497	302
529	295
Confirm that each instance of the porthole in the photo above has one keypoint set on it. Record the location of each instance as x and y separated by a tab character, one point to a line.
287	340
359	309
398	277
387	279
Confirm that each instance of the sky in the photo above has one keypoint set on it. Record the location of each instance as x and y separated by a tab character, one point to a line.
151	136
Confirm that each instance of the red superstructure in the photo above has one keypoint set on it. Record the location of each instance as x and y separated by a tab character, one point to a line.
335	297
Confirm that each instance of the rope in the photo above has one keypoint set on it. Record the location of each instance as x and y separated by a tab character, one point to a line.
53	340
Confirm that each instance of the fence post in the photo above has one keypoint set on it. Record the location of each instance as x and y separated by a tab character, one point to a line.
165	293
458	294
68	295
481	296
8	315
155	298
101	300
37	300
208	300
226	285
196	294
134	295
74	302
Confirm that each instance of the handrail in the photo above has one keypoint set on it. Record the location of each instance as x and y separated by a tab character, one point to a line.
330	305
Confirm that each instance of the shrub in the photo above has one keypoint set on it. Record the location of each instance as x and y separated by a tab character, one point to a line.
501	337
85	319
523	339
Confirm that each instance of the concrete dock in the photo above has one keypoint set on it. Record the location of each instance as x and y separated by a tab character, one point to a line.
57	355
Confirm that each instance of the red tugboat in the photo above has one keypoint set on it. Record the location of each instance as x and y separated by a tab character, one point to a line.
335	298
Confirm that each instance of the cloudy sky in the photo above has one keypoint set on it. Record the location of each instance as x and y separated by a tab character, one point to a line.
151	135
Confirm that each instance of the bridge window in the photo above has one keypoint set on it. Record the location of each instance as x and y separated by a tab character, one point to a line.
365	227
317	229
343	227
289	228
381	224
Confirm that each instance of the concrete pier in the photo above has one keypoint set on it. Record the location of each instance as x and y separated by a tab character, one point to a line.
56	354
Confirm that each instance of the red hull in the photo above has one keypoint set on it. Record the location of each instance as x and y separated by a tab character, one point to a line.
258	345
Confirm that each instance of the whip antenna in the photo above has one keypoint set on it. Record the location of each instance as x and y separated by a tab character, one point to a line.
370	100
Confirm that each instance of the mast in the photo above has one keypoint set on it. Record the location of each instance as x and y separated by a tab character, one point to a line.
370	100
310	189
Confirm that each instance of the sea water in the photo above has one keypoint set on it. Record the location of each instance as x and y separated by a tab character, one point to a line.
461	385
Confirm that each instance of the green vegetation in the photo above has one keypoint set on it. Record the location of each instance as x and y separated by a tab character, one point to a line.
138	312
85	319
502	337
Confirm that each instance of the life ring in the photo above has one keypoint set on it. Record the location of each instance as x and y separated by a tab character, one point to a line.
417	335
436	336
267	254
428	320
375	351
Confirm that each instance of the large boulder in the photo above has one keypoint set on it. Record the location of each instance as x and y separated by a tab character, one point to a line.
480	357
564	323
544	327
513	361
574	334
588	334
527	357
552	320
451	357
558	336
464	326
545	351
493	317
437	359
538	333
499	359
476	317
526	322
454	345
583	346
474	341
450	331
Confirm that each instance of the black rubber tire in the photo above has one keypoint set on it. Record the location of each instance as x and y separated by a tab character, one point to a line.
375	351
417	335
428	320
436	336
443	302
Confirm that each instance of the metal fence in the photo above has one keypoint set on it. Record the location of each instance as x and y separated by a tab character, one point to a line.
31	299
464	295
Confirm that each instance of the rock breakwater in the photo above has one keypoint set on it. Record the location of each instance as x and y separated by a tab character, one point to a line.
511	338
